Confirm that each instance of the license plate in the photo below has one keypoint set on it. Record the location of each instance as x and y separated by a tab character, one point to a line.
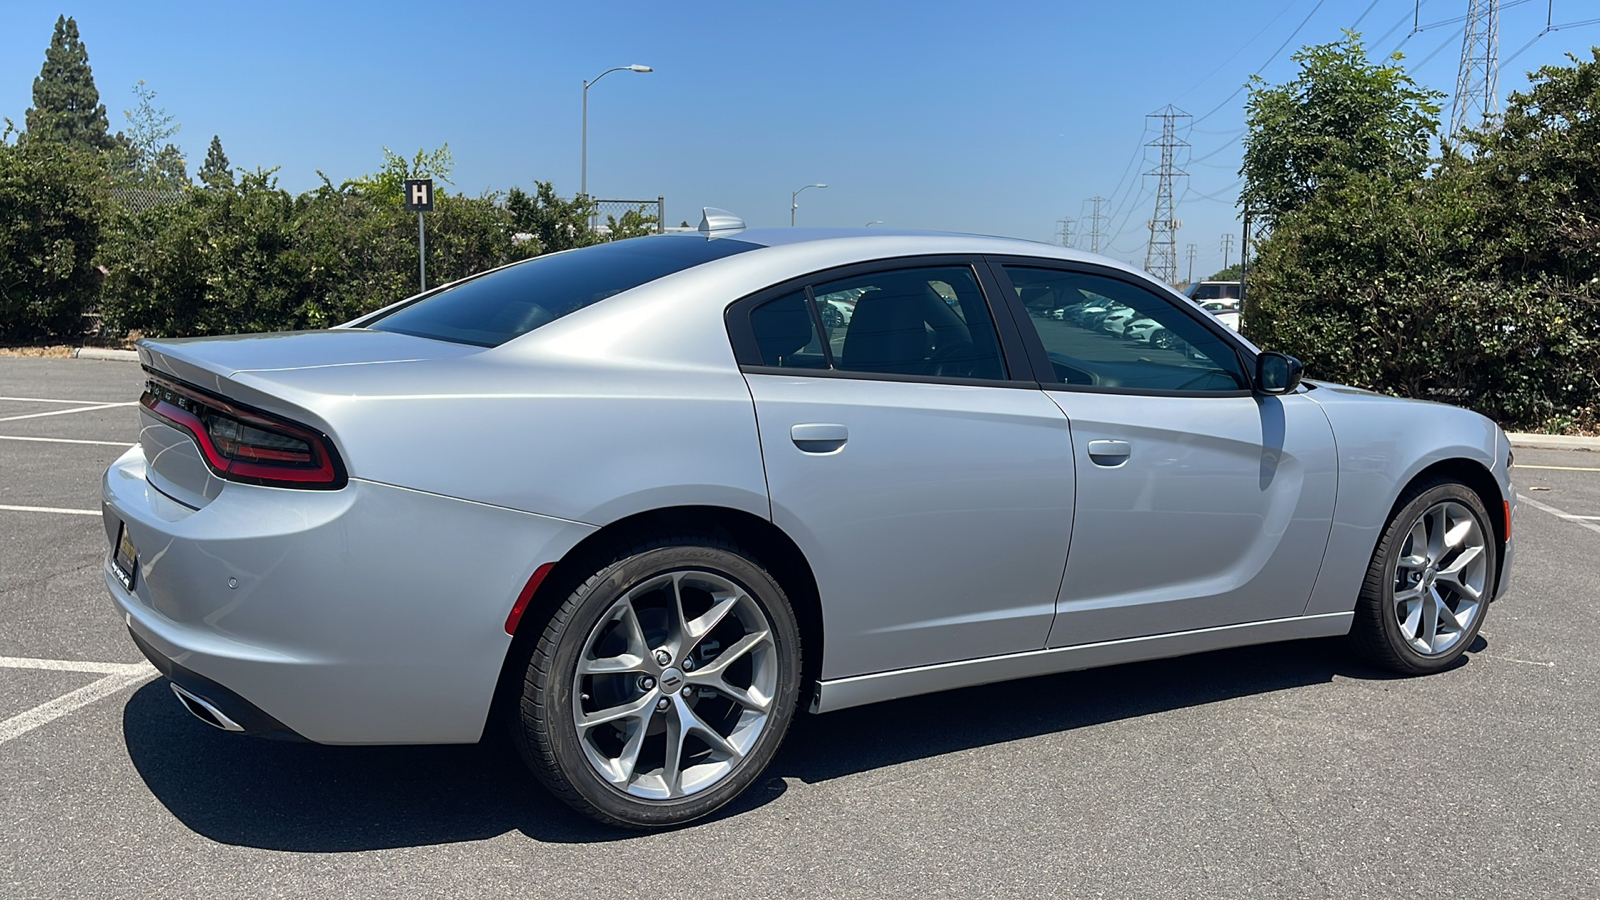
124	558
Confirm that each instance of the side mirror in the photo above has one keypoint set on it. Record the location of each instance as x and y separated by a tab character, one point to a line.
1277	373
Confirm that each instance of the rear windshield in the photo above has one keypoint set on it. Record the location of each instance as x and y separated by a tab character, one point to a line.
1215	290
494	308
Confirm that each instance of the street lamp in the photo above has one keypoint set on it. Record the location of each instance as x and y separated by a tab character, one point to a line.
584	183
873	222
794	206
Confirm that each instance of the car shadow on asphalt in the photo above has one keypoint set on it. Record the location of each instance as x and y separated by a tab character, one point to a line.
317	799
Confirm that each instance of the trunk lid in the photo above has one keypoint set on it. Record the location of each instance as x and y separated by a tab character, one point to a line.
176	466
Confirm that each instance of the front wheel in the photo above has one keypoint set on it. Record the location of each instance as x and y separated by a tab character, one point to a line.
1430	581
664	684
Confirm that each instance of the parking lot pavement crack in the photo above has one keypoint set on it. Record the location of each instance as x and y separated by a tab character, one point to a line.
1293	828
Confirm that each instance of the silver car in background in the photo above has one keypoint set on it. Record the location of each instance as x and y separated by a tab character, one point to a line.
641	502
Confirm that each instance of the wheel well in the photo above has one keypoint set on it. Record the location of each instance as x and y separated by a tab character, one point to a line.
764	540
1475	476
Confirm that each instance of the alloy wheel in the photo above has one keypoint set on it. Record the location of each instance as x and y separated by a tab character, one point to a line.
1440	578
675	685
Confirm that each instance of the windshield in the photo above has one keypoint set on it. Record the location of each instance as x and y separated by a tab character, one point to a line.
494	308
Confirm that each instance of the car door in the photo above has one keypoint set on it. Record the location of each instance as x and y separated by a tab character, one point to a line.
931	492
1199	503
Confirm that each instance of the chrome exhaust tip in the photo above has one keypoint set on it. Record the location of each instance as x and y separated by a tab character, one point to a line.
204	711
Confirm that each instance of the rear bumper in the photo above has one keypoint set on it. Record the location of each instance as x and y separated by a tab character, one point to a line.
368	615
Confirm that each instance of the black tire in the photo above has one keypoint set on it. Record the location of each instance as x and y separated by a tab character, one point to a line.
1377	631
546	733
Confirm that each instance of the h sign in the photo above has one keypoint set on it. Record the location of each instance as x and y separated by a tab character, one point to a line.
419	195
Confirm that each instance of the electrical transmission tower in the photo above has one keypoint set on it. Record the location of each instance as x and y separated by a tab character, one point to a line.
1161	259
1064	231
1477	99
1097	222
1191	249
1227	248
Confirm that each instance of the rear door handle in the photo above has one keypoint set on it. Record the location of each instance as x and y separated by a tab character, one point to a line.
1109	453
819	437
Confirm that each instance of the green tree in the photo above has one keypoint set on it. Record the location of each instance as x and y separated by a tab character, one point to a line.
1478	285
1341	115
52	211
633	223
66	105
387	185
215	172
148	156
555	224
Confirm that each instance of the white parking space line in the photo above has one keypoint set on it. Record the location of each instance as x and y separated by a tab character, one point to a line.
72	665
63	412
117	677
49	440
49	400
1580	521
50	509
1557	468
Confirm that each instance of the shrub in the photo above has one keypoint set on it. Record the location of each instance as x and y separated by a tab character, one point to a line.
52	213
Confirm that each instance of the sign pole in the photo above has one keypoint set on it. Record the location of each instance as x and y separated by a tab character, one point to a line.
419	199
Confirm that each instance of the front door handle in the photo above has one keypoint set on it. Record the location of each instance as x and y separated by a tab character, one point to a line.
819	437
1109	453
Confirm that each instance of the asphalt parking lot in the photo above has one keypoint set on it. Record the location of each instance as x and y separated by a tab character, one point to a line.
1280	771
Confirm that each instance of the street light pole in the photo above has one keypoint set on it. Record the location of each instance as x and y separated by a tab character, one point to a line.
873	222
584	177
794	205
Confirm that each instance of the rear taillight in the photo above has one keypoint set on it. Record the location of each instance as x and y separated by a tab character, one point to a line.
244	445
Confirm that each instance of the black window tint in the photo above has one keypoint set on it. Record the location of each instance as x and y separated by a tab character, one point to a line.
494	308
1215	290
927	321
786	333
1111	333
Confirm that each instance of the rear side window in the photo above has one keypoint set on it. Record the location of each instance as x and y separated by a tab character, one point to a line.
494	308
928	321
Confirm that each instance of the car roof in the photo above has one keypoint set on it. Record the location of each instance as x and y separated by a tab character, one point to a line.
888	242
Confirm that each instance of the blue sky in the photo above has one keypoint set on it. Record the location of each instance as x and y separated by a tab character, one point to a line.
999	118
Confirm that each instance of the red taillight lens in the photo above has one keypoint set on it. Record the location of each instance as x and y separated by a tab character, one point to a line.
243	445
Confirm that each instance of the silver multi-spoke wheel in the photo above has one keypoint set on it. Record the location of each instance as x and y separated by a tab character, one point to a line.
675	684
1440	578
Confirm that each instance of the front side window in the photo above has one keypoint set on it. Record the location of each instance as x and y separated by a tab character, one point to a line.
929	321
1100	331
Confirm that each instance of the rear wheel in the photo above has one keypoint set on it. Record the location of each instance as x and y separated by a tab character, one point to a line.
663	685
1430	581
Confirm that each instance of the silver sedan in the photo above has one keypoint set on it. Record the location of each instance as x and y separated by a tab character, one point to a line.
640	503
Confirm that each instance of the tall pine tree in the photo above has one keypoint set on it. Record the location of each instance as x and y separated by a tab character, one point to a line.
215	173
66	106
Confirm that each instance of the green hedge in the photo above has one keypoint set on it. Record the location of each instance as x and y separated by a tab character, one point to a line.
52	213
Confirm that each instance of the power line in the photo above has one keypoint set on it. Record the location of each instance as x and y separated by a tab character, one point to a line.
1548	27
1264	65
1454	36
1219	68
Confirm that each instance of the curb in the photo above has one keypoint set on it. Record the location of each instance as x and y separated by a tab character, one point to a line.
1554	442
102	353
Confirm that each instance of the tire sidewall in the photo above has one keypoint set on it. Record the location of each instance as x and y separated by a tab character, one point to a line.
598	598
1398	527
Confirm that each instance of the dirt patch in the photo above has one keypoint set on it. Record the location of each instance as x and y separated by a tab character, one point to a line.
58	352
